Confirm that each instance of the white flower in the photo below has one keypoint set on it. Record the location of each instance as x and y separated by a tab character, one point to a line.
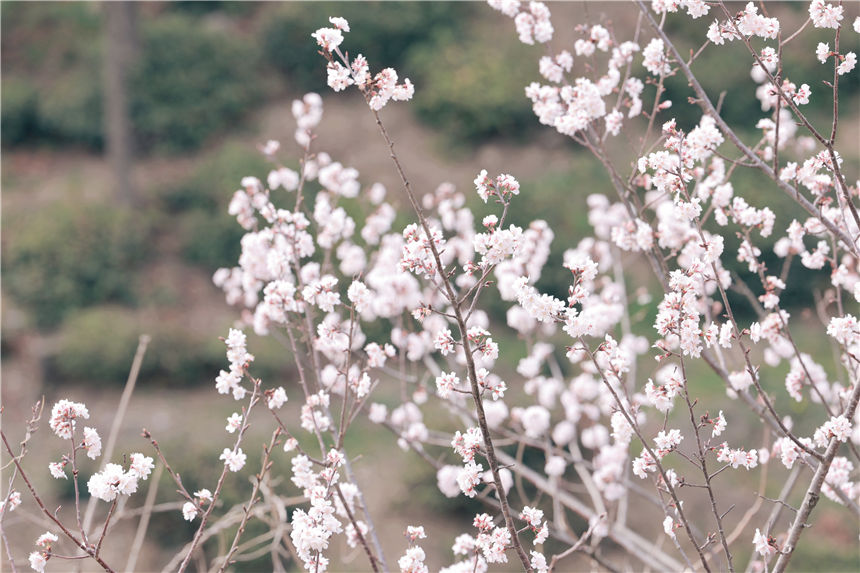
801	96
283	177
445	383
339	23
378	413
655	60
667	441
845	329
413	561
234	422
63	416
554	466
719	425
414	532
837	427
444	342
468	477
847	64
446	480
277	398
669	526
38	561
825	15
235	461
338	76
57	470
12	502
92	443
141	465
189	511
535	421
113	481
532	516
762	546
822	51
483	185
538	562
328	38
46	539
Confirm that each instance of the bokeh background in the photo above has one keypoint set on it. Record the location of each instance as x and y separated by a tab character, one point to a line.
113	222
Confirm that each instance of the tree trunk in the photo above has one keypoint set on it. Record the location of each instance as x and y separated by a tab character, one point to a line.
121	47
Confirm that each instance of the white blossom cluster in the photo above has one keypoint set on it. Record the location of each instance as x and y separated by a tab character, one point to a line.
604	379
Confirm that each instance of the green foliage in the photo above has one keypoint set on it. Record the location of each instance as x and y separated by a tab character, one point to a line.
44	38
209	235
49	47
190	83
210	186
97	346
211	239
71	110
472	87
382	31
228	7
18	109
68	257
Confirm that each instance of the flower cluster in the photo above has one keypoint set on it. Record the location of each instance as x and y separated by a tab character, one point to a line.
342	73
64	415
114	480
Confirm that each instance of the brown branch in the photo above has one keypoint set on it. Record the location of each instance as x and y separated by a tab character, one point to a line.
266	465
635	427
470	363
705	103
107	453
79	543
810	499
576	546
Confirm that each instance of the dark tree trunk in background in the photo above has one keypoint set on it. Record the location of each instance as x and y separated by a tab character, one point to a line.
121	47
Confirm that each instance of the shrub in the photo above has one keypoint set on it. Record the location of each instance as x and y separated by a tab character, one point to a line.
41	39
190	83
472	87
208	187
50	45
211	239
69	257
97	346
19	98
71	110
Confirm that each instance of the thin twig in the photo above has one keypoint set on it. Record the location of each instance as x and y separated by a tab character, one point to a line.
143	524
79	543
107	453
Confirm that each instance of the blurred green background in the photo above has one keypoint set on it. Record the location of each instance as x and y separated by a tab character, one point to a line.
86	271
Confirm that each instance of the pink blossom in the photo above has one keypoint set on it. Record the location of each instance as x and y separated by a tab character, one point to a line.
825	15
